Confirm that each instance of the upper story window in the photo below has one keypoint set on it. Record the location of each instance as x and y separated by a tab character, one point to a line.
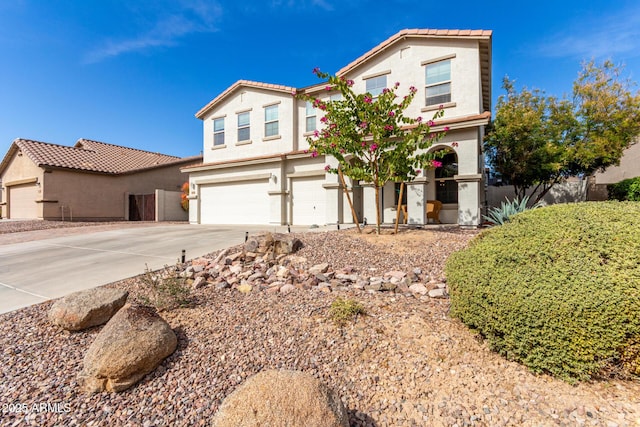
438	83
218	131
271	121
244	129
310	115
375	85
335	97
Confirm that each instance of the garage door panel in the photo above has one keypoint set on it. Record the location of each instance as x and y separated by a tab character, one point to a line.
308	201
235	203
22	201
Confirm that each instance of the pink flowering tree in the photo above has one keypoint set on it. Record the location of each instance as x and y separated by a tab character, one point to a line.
371	137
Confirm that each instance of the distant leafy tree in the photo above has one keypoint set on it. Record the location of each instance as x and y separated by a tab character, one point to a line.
371	137
537	140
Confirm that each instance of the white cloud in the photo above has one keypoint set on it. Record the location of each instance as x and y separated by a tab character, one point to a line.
193	16
601	37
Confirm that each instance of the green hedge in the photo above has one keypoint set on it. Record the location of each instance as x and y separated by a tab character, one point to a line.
557	288
628	189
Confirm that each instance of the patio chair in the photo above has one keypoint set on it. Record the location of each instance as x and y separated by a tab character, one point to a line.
433	210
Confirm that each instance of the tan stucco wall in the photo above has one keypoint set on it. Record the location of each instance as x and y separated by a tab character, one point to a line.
20	168
252	100
102	197
629	167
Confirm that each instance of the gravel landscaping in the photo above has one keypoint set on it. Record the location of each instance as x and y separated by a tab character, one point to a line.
404	363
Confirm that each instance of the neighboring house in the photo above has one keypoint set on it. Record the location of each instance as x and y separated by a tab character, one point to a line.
629	167
255	168
91	181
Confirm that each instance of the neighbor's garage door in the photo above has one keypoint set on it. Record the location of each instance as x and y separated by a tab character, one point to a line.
235	203
308	200
22	201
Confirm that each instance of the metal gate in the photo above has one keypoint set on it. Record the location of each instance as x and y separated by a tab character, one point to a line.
142	207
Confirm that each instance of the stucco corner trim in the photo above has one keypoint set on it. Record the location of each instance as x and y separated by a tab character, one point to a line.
271	138
305	174
437	107
228	180
21	181
468	178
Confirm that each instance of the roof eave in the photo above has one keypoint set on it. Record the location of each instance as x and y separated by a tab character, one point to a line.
202	113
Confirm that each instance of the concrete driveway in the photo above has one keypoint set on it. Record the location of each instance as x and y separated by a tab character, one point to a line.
36	271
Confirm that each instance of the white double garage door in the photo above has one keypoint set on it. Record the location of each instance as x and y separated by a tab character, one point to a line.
248	202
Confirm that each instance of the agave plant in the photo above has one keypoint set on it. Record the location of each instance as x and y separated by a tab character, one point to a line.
502	214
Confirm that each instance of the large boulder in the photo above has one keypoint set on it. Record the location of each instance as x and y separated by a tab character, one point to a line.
270	245
131	345
282	398
84	309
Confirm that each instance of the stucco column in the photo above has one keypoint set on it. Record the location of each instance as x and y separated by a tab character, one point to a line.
417	201
469	198
333	192
369	203
278	196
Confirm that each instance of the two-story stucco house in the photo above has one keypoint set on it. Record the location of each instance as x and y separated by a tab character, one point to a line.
255	169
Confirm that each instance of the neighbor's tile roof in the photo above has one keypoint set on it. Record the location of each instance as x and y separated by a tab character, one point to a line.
242	83
90	156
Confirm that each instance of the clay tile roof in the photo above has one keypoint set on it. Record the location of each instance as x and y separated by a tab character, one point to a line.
92	156
479	34
242	83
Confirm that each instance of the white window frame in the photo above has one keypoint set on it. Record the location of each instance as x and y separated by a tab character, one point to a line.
310	117
243	127
269	122
218	133
440	98
376	84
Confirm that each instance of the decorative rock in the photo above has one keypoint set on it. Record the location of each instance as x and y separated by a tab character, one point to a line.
223	285
438	293
287	288
84	309
272	245
199	282
319	268
322	278
235	269
245	288
374	287
418	288
395	274
347	277
389	286
282	398
131	345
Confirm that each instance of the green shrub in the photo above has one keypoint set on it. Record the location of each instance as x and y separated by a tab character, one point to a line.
628	189
557	288
503	213
165	289
343	310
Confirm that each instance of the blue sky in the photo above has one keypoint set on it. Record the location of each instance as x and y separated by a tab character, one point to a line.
134	72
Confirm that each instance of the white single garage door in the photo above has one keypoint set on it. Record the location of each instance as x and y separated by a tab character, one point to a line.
308	201
235	203
22	201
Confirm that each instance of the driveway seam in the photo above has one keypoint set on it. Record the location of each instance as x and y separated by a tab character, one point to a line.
104	250
24	292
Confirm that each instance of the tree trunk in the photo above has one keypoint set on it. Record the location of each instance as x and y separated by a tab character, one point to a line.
399	206
377	209
346	192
